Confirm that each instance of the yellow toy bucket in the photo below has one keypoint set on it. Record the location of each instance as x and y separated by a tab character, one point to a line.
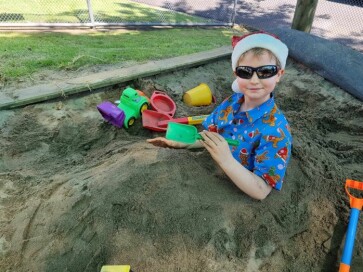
198	96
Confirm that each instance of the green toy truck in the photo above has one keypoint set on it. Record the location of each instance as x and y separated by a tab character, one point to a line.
132	103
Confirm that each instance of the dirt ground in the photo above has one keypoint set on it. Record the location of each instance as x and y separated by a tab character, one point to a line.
77	193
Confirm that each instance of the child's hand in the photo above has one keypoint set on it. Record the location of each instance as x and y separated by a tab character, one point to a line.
217	146
163	142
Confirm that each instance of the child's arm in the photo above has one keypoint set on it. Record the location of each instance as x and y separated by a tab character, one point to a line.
244	179
163	142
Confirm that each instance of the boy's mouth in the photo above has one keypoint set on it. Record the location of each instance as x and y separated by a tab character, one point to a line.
254	89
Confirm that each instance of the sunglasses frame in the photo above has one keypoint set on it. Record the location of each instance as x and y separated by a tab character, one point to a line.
258	73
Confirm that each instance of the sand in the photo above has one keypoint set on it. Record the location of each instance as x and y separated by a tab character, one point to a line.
77	193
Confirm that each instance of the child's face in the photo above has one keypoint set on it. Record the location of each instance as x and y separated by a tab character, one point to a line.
258	90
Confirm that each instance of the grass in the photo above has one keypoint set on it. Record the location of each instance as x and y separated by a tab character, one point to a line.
23	54
70	11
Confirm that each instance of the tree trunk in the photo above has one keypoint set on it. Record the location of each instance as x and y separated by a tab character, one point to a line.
304	15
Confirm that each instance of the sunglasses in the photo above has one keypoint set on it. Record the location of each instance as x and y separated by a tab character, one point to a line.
262	72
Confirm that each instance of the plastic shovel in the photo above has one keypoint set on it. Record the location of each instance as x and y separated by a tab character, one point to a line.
150	120
356	205
187	134
191	120
116	268
158	121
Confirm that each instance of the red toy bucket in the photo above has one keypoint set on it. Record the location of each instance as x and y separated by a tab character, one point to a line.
161	102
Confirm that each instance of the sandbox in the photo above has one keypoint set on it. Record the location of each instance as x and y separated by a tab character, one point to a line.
77	193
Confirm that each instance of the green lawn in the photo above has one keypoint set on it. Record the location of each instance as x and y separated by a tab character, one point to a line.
71	11
23	54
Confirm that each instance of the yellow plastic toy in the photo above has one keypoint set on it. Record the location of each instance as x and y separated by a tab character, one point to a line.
198	96
116	268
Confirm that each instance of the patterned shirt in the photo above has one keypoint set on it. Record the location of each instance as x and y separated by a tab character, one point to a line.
264	136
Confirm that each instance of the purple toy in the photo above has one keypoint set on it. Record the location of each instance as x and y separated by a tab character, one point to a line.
111	113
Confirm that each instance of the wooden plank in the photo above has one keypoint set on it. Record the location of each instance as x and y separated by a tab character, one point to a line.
91	82
304	15
6	100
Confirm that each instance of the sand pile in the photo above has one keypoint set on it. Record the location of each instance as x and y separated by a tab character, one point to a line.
77	193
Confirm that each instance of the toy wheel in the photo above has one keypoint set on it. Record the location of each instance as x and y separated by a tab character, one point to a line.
143	107
131	121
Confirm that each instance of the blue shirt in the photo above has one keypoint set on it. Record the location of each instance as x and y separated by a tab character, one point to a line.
263	133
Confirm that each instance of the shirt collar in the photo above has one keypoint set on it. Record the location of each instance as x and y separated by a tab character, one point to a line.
260	111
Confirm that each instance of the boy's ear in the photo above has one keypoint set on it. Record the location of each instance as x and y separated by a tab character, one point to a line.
280	73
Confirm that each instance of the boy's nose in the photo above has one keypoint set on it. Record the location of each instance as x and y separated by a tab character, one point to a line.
254	77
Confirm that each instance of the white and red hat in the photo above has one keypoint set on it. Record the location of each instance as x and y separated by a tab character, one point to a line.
257	39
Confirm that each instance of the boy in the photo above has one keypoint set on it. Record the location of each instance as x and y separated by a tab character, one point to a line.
250	115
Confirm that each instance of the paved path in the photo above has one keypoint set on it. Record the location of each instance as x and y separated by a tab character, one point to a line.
336	20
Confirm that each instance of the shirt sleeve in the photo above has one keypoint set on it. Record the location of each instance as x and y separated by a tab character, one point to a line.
272	156
211	122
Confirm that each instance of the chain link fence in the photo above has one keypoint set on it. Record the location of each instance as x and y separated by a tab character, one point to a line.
338	20
93	13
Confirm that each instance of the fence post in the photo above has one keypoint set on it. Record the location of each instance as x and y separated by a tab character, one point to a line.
304	15
233	19
90	13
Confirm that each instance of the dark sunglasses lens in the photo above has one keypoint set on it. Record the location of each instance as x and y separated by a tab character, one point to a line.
267	71
244	72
